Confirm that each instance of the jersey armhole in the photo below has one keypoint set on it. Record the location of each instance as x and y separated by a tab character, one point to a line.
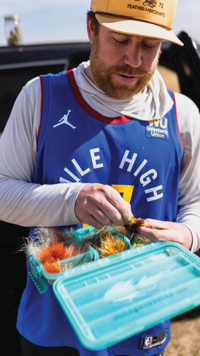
178	124
41	110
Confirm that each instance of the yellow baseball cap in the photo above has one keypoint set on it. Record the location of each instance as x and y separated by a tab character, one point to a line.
148	18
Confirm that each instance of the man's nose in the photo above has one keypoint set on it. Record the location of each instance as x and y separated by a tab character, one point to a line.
133	57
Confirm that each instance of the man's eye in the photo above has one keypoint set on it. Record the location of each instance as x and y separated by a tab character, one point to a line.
146	46
120	42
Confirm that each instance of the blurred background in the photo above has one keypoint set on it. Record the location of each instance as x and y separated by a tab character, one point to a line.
50	21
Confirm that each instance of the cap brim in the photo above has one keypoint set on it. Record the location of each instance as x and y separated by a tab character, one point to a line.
137	28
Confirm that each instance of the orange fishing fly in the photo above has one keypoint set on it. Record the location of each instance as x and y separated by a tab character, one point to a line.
50	256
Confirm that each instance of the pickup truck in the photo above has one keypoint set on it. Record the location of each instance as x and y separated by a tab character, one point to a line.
180	67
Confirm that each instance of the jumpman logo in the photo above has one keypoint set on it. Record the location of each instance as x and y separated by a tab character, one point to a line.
64	120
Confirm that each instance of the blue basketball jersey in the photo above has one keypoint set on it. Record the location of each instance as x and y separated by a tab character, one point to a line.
140	159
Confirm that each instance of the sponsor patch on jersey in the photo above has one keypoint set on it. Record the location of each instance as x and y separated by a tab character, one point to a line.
158	129
152	341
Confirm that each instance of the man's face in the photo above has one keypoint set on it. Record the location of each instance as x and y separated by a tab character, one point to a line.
122	65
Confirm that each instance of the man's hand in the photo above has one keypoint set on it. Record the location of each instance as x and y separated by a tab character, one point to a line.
156	230
100	205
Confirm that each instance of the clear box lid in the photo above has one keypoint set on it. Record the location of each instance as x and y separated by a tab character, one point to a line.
114	298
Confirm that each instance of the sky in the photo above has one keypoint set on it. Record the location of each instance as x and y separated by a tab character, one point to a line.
52	21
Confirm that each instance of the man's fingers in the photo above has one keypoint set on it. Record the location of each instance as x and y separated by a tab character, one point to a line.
121	212
90	220
154	234
95	214
156	230
104	204
156	224
111	213
102	211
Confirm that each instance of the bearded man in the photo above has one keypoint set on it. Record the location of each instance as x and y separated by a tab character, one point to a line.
94	145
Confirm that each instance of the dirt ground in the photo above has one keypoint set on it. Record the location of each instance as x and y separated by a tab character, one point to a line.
185	338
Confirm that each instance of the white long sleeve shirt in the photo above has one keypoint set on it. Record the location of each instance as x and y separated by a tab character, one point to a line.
26	203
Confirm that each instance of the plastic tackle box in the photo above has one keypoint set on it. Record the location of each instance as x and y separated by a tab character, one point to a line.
40	276
114	298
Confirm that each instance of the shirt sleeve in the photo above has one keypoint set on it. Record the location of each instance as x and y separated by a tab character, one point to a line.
22	201
189	184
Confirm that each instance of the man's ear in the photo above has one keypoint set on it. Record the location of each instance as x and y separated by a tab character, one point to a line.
90	30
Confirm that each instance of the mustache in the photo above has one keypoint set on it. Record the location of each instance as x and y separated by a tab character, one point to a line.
127	70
